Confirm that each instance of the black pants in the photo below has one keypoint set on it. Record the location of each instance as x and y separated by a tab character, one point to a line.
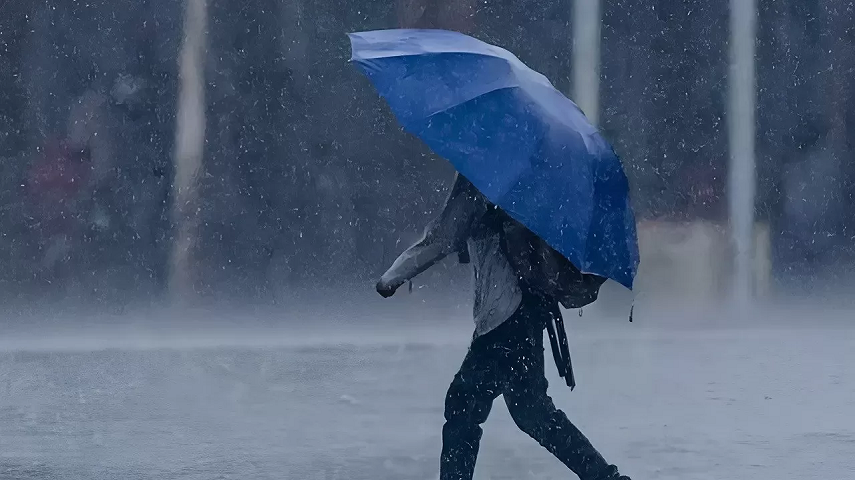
509	361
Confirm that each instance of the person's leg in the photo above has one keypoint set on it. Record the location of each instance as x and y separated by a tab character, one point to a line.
467	405
550	427
535	414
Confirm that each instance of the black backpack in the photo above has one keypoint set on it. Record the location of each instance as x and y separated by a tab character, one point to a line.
543	269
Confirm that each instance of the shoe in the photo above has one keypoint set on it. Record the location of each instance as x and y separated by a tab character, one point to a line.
614	475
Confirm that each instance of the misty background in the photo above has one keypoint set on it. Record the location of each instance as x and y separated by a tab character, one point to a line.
307	181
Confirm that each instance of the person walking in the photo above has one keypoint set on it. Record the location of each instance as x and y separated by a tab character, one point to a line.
513	304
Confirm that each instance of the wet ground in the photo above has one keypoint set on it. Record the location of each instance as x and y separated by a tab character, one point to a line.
661	402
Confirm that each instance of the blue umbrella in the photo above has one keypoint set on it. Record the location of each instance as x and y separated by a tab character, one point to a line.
524	145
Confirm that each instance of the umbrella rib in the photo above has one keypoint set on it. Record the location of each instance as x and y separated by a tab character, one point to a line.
433	114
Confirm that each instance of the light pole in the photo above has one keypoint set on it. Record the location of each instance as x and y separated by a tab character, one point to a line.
189	149
586	57
741	133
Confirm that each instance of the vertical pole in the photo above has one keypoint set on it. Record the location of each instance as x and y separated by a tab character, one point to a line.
586	57
189	148
741	134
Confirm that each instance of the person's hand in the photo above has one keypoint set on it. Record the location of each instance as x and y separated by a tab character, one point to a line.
385	290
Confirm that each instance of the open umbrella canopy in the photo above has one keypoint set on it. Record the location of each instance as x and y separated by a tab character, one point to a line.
527	147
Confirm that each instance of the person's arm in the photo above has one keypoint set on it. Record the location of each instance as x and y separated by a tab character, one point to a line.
445	235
